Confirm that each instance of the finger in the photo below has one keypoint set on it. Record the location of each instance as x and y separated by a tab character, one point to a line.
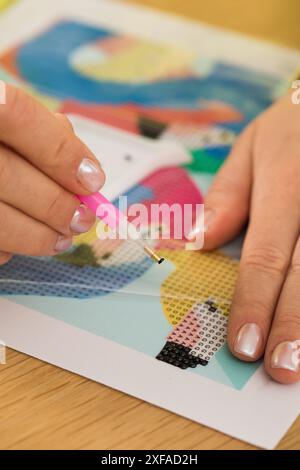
20	234
23	186
34	132
269	244
65	121
4	257
227	202
282	358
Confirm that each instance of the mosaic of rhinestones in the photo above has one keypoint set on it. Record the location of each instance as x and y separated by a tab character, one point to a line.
196	338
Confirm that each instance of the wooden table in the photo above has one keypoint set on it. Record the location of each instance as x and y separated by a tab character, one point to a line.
43	407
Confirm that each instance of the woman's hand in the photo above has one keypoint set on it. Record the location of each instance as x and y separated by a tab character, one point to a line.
42	166
261	181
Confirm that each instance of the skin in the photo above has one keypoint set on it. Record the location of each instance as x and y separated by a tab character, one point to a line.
39	161
259	183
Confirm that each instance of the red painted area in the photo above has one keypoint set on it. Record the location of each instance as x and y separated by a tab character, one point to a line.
121	117
126	116
9	62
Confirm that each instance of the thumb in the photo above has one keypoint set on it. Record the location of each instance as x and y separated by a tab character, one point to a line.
226	205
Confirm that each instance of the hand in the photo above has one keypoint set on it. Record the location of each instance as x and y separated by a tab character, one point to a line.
260	181
42	166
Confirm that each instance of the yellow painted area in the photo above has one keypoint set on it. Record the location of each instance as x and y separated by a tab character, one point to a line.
197	277
99	246
93	235
5	3
51	103
139	62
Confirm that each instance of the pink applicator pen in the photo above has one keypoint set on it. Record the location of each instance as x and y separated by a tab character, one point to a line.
117	221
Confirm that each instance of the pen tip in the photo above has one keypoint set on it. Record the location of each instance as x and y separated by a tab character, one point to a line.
153	255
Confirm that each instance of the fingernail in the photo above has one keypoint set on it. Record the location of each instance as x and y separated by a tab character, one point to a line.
2	92
83	220
287	356
203	224
63	243
90	175
209	215
248	340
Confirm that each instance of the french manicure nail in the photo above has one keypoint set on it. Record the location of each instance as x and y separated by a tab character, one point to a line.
63	243
208	218
90	175
202	225
248	340
287	356
83	220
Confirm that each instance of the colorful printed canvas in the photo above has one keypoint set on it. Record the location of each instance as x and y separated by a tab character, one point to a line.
158	91
162	93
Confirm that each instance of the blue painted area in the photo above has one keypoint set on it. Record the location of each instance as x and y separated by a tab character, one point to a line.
235	127
220	152
202	180
213	371
138	193
44	62
128	318
50	277
47	276
226	369
237	371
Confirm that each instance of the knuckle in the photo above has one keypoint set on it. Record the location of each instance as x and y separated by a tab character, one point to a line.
269	260
65	120
4	177
4	222
63	150
60	210
44	243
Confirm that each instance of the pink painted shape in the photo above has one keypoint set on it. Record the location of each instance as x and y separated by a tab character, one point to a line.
121	117
173	185
115	45
187	332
